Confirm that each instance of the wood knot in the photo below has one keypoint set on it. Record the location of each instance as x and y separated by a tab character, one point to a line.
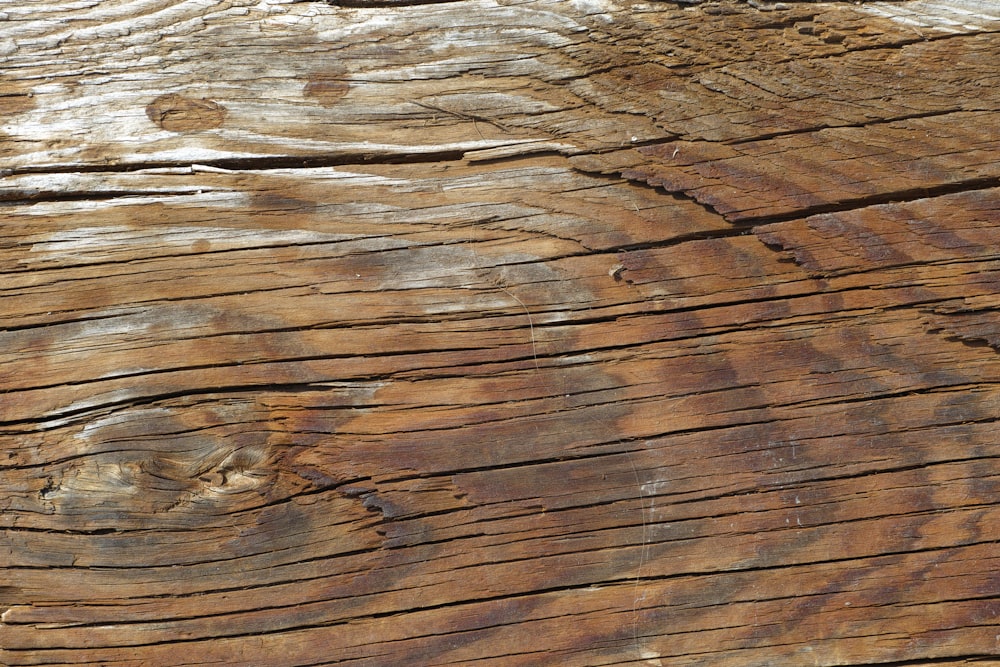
327	88
177	113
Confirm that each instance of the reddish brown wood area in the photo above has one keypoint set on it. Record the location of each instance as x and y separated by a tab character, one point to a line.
499	333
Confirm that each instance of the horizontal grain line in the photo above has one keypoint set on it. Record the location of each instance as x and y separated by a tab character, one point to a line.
956	260
153	398
961	660
344	621
846	126
456	604
21	197
849	400
882	198
894	46
691	497
282	245
264	163
727	655
805	484
812	563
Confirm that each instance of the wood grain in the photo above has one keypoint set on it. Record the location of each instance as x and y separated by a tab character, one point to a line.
599	332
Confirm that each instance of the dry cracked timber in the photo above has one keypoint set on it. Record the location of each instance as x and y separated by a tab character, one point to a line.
499	333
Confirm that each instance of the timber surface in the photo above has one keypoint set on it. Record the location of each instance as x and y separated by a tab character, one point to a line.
499	333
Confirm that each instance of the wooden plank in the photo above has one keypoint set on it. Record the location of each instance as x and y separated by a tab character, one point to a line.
571	333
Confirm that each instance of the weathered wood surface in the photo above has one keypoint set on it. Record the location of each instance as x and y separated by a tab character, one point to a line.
499	333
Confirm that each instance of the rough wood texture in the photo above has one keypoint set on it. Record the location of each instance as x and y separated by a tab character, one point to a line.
500	333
